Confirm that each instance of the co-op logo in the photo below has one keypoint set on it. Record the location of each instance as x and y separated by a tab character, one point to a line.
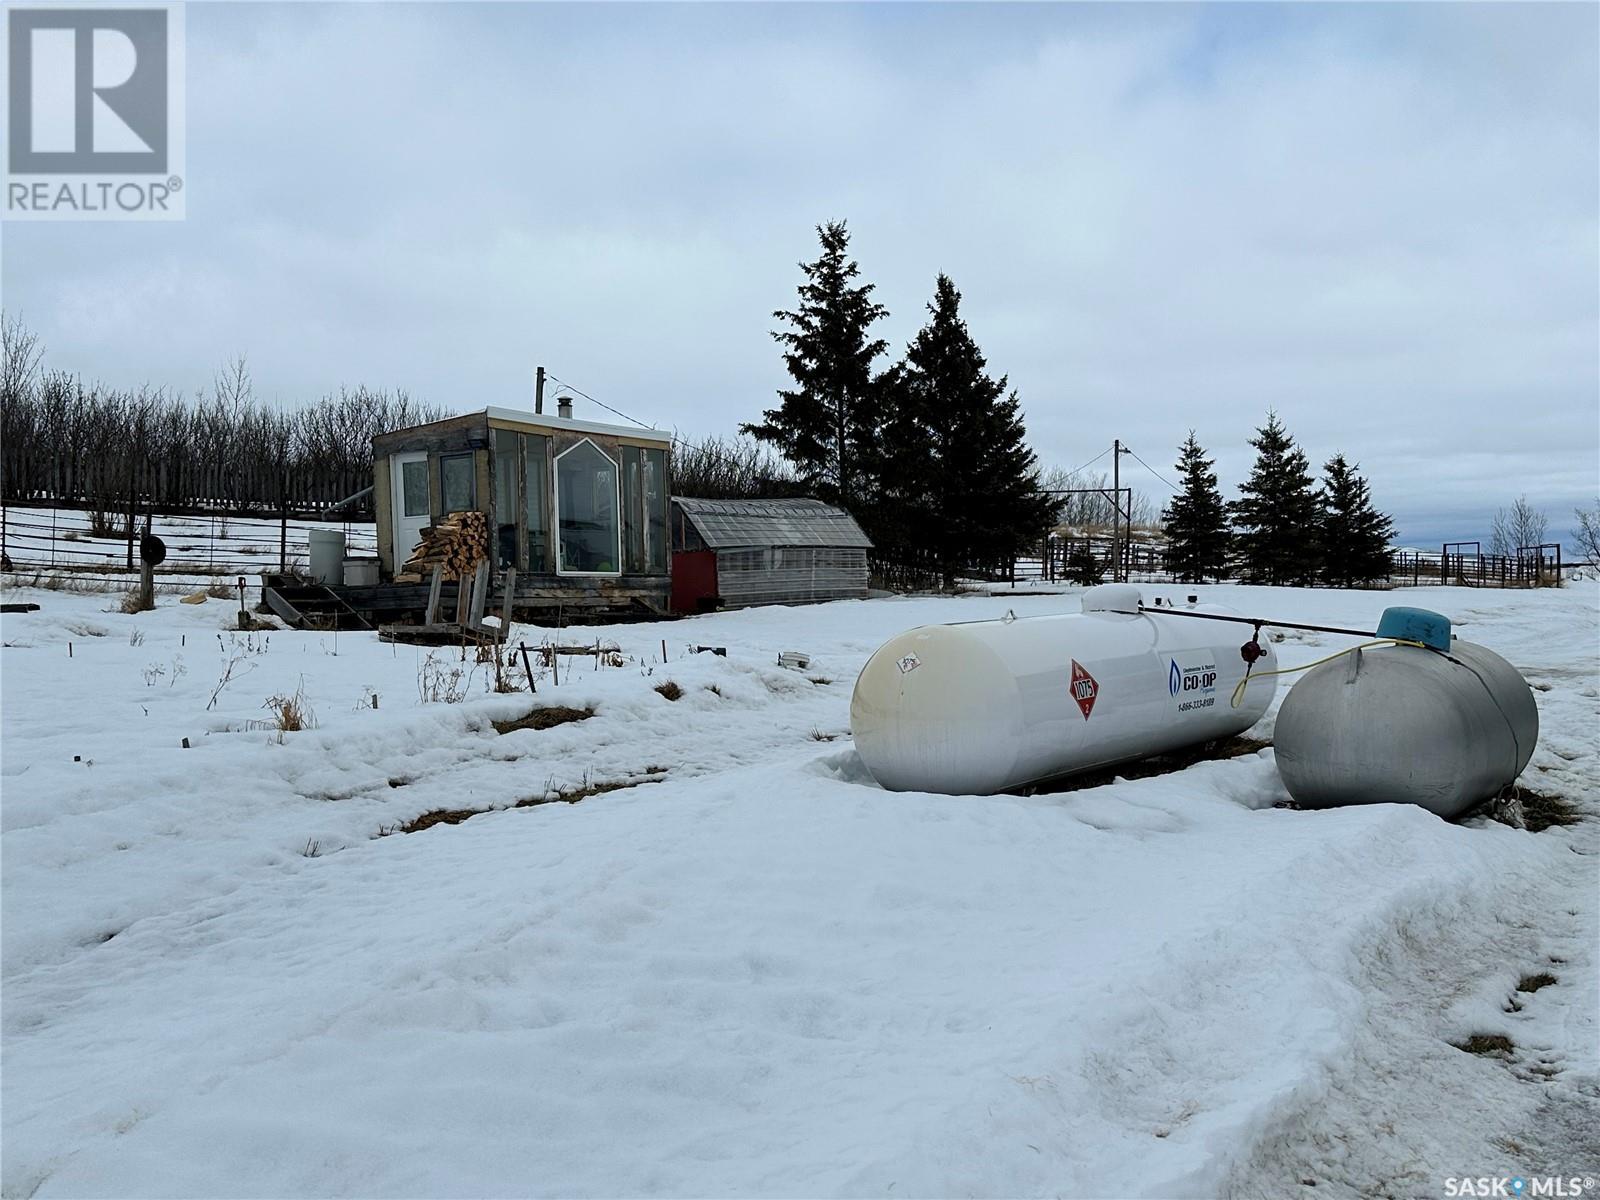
93	92
1181	680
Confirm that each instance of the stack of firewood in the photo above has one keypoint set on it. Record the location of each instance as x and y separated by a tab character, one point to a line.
458	543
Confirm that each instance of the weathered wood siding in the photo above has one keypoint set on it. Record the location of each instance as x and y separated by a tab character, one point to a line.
383	512
790	575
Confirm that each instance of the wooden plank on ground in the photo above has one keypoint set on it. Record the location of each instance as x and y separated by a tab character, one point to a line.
432	614
463	600
480	594
505	609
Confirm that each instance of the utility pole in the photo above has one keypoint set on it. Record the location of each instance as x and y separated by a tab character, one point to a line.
1116	510
538	390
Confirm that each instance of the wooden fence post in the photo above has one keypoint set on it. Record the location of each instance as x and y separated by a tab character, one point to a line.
528	667
147	575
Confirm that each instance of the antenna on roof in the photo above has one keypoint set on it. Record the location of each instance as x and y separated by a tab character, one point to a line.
538	390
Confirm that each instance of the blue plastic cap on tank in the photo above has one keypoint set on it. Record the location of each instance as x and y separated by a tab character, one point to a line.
1416	625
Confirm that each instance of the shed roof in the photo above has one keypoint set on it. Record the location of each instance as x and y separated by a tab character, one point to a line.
727	524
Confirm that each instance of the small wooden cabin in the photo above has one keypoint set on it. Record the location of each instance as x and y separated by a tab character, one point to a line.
737	553
579	508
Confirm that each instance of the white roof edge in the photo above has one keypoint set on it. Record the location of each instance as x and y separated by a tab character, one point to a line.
527	417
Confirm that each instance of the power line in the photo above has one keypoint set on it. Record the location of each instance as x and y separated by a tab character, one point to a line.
1092	461
676	439
602	404
1153	471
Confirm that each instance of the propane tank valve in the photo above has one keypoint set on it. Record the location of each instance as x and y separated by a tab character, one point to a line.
1251	651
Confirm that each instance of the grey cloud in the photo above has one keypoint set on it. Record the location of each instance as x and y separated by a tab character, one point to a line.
1380	221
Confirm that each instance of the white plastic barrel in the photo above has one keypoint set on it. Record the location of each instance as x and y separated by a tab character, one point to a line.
326	554
360	572
990	706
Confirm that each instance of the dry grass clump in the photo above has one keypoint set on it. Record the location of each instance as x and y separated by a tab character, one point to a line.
1532	983
135	601
290	714
582	792
1542	810
669	690
439	816
1492	1045
60	581
222	591
440	682
545	717
454	816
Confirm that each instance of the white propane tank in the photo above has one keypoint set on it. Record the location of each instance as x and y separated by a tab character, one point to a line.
990	706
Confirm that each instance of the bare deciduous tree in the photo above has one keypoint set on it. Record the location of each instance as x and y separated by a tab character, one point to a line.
1519	527
1587	532
1089	511
64	441
731	469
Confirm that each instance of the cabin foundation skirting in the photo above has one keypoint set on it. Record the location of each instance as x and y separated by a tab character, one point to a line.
540	599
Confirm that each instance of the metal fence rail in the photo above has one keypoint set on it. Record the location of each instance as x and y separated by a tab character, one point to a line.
34	540
1061	560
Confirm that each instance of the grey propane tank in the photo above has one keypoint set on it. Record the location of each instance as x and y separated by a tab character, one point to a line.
1445	729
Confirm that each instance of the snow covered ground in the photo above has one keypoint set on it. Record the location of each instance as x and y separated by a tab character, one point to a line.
754	972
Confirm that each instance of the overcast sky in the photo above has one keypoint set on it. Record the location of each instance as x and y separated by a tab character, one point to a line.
1380	220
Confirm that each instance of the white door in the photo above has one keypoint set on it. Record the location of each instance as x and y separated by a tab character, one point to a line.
408	477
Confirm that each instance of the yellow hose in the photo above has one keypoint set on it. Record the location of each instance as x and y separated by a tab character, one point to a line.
1238	692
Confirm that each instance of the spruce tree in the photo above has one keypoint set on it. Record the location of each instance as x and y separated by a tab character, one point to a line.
1082	567
1196	521
1276	516
826	425
1355	536
959	480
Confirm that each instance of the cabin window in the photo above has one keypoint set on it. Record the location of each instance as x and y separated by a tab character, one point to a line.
457	483
414	487
633	525
644	509
536	461
588	511
655	511
507	495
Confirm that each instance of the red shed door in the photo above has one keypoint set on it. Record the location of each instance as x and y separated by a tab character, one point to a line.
694	580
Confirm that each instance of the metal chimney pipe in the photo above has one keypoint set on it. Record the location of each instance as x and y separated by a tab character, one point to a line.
564	406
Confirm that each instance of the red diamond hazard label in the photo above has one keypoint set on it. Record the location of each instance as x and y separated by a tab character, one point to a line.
1084	689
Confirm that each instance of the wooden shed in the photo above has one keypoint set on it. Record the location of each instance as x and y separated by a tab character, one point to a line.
578	508
736	553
